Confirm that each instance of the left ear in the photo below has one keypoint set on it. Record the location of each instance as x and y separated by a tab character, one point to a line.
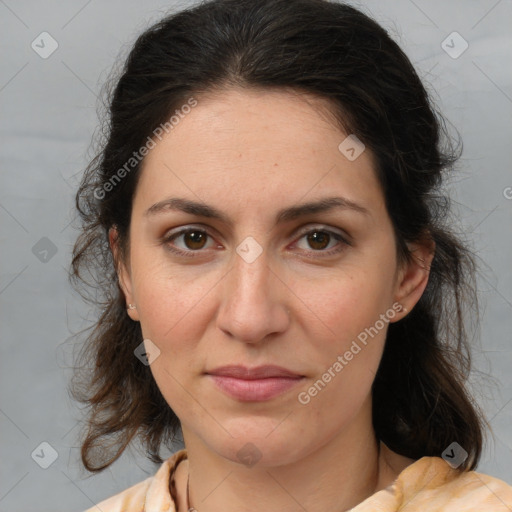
413	276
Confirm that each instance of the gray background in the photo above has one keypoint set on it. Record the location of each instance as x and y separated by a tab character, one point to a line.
48	118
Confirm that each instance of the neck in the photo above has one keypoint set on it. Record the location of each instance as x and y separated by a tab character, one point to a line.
336	475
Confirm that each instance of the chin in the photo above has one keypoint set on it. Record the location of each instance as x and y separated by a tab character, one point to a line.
259	442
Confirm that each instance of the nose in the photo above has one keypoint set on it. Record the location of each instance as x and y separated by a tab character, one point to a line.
253	302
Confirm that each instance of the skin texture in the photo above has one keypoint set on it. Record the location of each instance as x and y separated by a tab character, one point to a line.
250	153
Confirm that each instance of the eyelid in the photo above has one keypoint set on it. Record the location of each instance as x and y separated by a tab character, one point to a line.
326	228
342	237
182	230
304	230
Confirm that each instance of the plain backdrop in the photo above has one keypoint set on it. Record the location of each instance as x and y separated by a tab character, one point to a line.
48	116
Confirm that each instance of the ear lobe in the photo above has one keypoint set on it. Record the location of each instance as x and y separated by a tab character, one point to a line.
413	276
123	273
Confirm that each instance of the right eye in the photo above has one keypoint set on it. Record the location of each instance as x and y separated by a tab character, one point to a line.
191	240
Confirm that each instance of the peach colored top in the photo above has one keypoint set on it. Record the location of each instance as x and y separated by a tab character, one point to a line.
427	485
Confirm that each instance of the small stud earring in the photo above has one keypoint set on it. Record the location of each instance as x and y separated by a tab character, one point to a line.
132	306
403	309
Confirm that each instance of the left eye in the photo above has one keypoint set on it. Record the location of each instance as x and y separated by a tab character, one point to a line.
320	239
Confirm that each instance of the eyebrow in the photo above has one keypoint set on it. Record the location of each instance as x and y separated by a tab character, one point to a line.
284	215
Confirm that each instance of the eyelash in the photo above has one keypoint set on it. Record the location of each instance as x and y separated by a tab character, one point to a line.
191	253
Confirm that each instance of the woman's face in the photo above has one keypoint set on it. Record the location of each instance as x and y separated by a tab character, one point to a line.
258	280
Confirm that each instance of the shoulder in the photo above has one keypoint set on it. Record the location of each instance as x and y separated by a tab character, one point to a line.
432	484
150	494
129	500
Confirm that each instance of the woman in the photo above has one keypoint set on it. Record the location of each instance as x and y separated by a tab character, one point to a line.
265	223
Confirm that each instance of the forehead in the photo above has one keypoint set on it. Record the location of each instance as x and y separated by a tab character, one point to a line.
239	119
256	146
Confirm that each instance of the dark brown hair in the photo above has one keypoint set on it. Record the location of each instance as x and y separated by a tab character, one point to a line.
334	52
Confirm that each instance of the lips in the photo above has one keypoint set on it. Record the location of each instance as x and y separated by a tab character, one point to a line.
254	384
260	372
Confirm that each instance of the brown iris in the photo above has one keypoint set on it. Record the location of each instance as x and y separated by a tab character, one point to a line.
196	239
318	240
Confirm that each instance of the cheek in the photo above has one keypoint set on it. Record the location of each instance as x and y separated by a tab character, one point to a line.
346	369
341	307
346	334
170	302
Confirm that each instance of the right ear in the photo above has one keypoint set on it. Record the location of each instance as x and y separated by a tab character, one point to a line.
123	273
